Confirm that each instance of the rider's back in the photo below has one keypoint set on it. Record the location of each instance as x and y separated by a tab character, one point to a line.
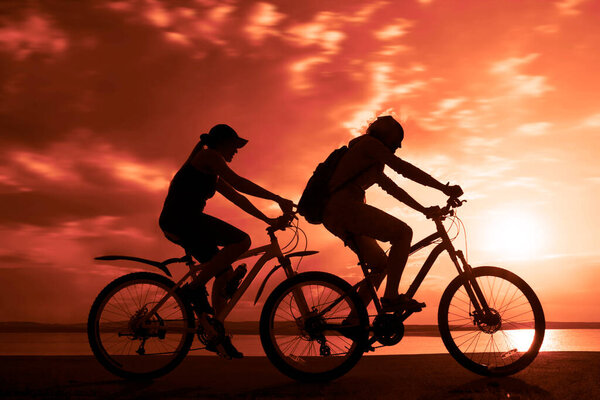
188	192
358	168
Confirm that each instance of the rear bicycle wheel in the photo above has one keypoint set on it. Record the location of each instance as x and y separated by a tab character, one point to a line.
323	344
133	350
502	343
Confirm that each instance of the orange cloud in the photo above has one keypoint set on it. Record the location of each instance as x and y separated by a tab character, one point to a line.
519	84
262	21
395	30
35	34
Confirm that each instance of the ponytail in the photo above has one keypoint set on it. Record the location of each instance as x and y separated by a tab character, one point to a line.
205	140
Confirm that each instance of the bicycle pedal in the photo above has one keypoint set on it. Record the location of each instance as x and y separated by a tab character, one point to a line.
369	348
416	308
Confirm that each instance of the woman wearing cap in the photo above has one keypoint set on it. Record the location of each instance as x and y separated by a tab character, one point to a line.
184	222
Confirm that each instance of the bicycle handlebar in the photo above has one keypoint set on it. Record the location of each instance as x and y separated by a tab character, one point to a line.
448	209
284	222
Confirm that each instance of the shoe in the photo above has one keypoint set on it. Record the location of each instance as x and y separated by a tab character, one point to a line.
225	349
401	303
198	297
230	348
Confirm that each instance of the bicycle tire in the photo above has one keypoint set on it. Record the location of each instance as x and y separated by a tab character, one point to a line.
519	341
107	322
327	367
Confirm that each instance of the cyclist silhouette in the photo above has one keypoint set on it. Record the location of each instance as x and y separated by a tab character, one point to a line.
183	221
359	225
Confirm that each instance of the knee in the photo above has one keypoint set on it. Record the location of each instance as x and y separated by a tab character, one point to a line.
402	235
245	243
379	262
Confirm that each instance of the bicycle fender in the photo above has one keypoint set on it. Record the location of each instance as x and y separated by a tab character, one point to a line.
287	256
156	264
301	253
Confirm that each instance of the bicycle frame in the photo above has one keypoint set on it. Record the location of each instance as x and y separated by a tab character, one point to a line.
471	286
458	259
269	251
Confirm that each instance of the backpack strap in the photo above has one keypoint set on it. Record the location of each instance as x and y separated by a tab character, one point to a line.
341	185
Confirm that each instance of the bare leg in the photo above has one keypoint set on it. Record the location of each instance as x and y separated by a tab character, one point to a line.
375	257
396	263
224	258
218	301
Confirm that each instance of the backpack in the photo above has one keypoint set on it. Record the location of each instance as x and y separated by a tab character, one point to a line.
316	193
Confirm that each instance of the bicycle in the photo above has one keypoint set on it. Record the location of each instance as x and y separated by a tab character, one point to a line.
490	320
140	325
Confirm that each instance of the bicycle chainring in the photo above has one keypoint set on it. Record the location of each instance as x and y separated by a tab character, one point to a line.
388	329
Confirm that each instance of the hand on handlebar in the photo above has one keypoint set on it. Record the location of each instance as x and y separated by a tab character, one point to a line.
282	221
432	212
453	191
287	206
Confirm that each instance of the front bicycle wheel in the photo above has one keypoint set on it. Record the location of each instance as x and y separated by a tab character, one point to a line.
129	348
498	344
314	327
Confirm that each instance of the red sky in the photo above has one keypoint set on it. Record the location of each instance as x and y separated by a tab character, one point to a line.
103	100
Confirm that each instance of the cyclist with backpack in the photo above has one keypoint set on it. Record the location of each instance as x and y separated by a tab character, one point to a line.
346	214
184	222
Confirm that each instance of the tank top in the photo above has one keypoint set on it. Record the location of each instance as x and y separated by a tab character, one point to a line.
188	192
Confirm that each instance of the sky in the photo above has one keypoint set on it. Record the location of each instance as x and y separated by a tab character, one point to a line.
102	101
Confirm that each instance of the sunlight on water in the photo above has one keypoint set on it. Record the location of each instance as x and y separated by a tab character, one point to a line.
521	338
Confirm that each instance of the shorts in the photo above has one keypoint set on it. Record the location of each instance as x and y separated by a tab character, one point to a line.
349	218
344	216
201	235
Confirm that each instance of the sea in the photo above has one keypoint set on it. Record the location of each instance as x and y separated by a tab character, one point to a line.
76	343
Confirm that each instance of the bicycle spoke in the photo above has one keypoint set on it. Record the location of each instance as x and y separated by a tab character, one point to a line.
496	341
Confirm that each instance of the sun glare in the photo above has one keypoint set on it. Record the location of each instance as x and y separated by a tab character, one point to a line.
521	339
514	234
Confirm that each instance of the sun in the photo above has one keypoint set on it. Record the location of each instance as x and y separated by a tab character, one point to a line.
514	234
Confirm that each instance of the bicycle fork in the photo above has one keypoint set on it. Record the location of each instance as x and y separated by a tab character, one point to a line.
482	308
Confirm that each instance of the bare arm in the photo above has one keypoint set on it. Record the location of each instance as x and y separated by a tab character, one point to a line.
241	201
218	165
394	190
381	153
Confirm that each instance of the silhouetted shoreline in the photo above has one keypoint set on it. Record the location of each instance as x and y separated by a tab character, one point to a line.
251	327
550	376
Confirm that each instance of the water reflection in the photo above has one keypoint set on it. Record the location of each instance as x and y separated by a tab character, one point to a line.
77	344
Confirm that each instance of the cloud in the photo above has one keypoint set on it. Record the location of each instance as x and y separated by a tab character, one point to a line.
185	26
35	34
364	13
510	65
594	179
299	72
592	121
534	128
395	30
479	144
547	29
179	38
569	7
81	177
67	162
261	22
323	31
383	89
516	83
157	15
42	165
